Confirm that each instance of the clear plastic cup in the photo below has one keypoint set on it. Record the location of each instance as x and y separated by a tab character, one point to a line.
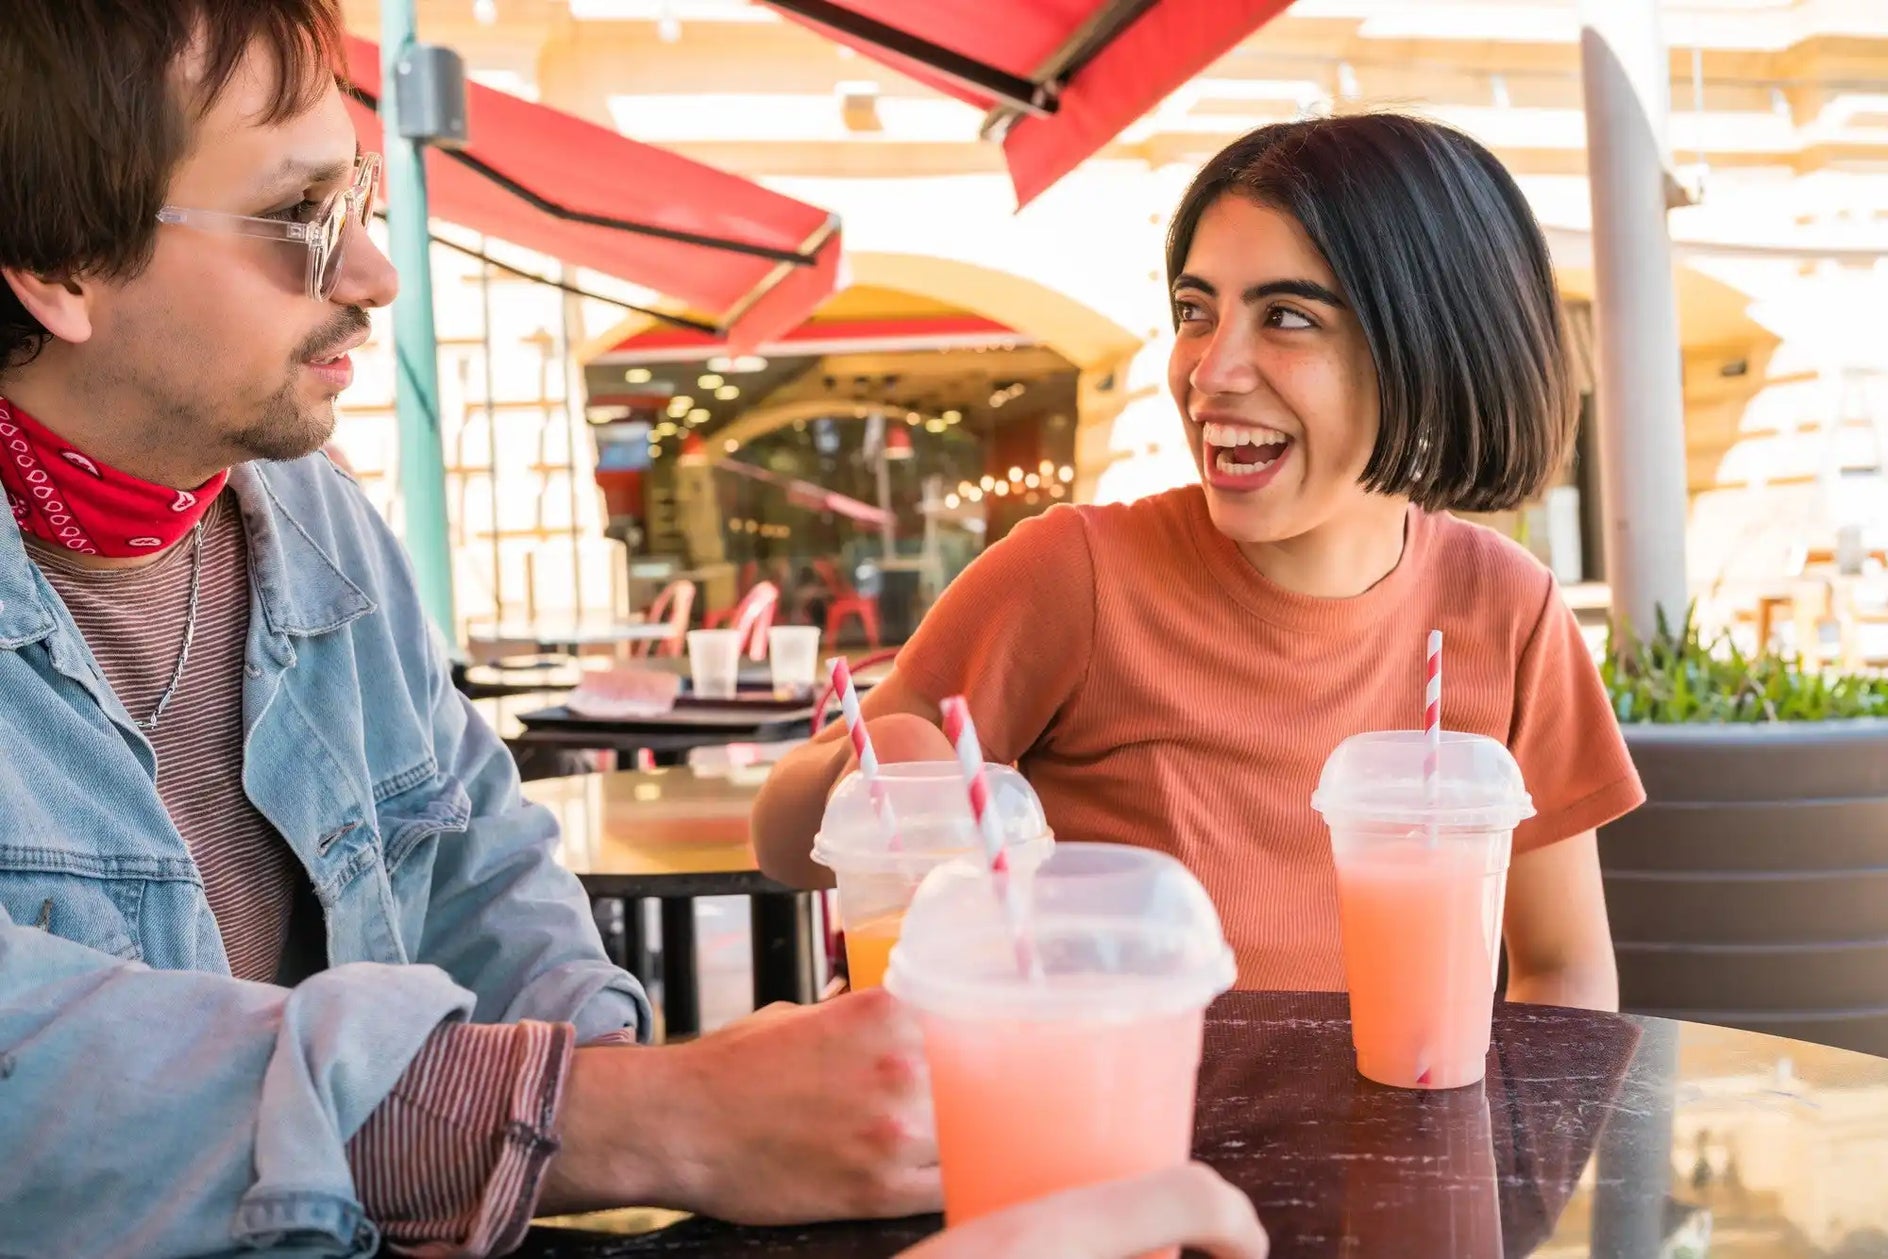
876	880
1088	1073
793	657
714	662
1421	883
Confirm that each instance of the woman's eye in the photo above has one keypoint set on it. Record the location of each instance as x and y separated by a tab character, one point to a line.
302	211
1185	310
1287	318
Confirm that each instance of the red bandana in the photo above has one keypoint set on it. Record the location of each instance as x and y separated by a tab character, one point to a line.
64	498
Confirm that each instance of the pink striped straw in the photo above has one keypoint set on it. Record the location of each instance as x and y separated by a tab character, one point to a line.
962	733
862	747
1432	727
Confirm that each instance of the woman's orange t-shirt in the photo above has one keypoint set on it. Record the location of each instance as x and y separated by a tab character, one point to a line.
1157	690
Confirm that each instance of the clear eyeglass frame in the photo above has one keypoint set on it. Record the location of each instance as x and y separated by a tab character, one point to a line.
324	236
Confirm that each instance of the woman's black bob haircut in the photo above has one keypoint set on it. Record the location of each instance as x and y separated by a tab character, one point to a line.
1446	269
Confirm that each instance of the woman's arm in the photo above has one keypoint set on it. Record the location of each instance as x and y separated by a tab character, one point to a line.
787	813
1560	949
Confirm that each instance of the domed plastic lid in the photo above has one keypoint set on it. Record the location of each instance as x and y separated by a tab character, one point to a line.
931	807
1120	932
1379	778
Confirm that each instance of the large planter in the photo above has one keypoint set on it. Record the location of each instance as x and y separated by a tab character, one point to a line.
1752	888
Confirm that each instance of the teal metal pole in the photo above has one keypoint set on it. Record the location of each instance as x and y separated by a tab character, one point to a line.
416	352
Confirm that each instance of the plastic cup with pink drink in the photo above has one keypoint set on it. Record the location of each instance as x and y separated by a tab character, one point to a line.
1422	856
1082	1072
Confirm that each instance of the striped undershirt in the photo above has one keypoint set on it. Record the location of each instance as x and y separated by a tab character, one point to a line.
451	1162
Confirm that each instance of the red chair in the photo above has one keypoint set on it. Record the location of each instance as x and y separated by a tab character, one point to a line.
846	602
675	604
753	616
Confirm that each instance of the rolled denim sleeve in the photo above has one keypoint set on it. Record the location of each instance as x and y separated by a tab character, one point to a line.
211	1114
505	919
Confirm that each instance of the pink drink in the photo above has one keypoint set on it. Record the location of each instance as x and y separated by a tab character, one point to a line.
1082	1070
1027	1109
1421	927
1420	834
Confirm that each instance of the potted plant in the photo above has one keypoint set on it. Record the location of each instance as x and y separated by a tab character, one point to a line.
1752	888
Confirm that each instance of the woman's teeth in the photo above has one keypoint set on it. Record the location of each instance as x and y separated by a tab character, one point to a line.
1241	450
1227	463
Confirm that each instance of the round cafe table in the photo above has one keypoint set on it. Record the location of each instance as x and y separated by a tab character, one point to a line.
1595	1135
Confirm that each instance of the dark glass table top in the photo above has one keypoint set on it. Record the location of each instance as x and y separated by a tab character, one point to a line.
1595	1135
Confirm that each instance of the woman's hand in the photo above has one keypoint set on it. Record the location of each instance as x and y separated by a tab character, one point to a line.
1184	1206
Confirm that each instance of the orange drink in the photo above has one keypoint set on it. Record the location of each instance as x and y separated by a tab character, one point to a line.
1080	1072
869	950
1421	838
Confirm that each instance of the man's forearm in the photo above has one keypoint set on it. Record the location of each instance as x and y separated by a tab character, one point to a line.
621	1132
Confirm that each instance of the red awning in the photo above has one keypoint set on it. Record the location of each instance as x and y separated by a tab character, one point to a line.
1072	74
756	263
824	336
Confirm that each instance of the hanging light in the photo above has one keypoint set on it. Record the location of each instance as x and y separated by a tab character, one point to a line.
898	443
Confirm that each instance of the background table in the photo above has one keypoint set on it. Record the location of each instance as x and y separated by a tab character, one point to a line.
673	835
1601	1135
667	736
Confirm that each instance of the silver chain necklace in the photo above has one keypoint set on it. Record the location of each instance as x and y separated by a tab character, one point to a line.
149	724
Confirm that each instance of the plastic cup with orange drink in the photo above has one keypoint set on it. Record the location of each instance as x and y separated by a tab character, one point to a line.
1421	829
1081	1066
878	867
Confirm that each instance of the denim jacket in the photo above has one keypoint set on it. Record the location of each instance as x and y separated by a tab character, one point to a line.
152	1105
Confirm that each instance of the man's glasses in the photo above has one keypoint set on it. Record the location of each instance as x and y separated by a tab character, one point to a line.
324	233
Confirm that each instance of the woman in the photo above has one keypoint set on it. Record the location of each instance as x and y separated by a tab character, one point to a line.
1368	337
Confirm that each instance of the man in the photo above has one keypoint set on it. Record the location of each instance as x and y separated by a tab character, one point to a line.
284	958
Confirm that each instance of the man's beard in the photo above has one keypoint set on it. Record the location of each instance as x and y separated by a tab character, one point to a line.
286	428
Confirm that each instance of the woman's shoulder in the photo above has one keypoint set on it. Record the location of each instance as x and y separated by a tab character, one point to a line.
1105	535
1482	567
1147	526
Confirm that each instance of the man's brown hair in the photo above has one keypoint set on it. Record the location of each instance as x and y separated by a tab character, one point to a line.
99	100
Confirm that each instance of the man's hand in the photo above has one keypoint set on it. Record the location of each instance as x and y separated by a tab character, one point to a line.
1187	1206
799	1113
